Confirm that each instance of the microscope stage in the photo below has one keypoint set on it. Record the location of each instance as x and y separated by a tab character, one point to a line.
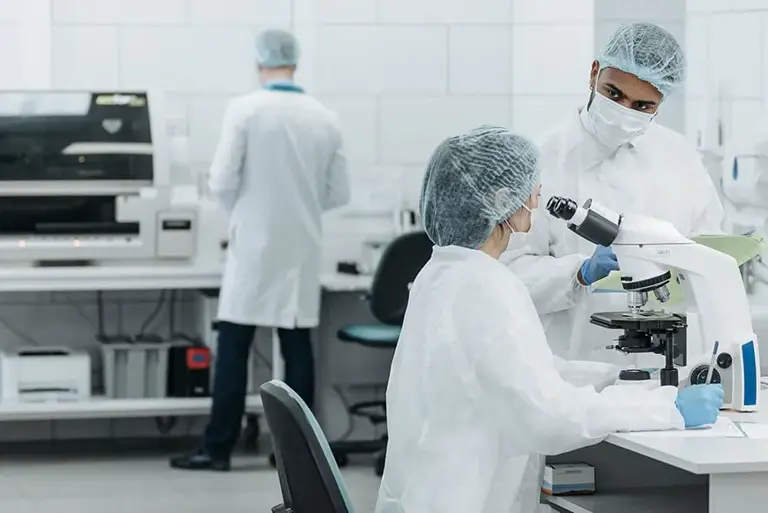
642	320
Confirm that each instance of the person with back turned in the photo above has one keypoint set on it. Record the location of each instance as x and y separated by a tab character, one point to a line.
278	166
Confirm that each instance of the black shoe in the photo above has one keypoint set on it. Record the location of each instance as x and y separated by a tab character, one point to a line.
200	460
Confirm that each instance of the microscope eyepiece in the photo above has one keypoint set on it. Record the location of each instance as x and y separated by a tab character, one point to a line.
599	227
562	208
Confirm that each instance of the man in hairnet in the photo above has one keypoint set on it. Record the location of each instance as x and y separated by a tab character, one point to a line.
612	150
278	166
475	398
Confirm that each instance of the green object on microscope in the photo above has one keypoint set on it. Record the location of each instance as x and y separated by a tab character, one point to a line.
741	247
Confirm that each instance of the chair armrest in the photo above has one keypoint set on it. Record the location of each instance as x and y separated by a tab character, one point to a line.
368	409
368	404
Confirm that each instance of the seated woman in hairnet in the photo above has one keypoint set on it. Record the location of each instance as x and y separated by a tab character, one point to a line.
474	398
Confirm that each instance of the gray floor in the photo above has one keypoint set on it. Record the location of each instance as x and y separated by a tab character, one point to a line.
147	485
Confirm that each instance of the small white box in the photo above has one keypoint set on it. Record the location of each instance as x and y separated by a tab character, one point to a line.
568	479
45	373
176	234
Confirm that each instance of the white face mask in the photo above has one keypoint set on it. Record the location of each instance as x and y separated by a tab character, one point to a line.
517	233
613	124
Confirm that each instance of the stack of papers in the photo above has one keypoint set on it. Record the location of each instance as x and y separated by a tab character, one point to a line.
723	428
753	430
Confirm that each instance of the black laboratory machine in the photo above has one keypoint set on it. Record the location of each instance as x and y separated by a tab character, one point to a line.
83	179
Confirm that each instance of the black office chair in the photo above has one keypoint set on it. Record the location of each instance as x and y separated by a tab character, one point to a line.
401	262
310	480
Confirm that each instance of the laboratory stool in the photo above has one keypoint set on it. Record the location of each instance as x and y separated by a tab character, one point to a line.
309	477
401	262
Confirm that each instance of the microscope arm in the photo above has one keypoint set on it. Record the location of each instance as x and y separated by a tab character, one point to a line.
713	278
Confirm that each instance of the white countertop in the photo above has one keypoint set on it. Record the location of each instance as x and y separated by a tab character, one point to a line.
103	407
53	279
703	455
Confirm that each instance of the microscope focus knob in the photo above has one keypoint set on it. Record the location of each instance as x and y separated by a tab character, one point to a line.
724	360
698	375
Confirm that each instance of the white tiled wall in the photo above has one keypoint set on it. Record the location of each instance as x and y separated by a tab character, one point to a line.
728	66
430	12
25	38
480	60
403	75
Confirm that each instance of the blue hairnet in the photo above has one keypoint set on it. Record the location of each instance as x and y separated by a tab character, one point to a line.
277	48
473	182
647	51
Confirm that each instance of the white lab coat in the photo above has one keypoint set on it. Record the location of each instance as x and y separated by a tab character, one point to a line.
659	175
475	397
279	165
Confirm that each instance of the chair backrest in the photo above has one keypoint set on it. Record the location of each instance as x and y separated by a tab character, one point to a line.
310	479
401	262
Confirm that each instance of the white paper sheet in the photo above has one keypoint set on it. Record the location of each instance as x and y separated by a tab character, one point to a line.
723	428
753	430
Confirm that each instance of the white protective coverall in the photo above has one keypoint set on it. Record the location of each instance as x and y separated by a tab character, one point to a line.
659	175
278	166
475	399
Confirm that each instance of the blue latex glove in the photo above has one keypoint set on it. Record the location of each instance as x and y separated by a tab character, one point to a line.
700	404
599	265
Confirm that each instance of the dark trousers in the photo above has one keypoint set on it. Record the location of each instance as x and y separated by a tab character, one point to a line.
231	380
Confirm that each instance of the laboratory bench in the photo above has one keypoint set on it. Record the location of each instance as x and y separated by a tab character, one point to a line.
116	278
667	472
106	278
105	408
70	279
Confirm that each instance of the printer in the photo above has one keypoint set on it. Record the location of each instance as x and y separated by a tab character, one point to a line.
32	374
84	181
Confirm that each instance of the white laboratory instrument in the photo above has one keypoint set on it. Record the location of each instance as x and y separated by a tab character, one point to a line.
744	178
647	249
744	190
45	374
84	179
745	186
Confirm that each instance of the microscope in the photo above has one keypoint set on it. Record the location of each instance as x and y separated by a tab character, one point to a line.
647	249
